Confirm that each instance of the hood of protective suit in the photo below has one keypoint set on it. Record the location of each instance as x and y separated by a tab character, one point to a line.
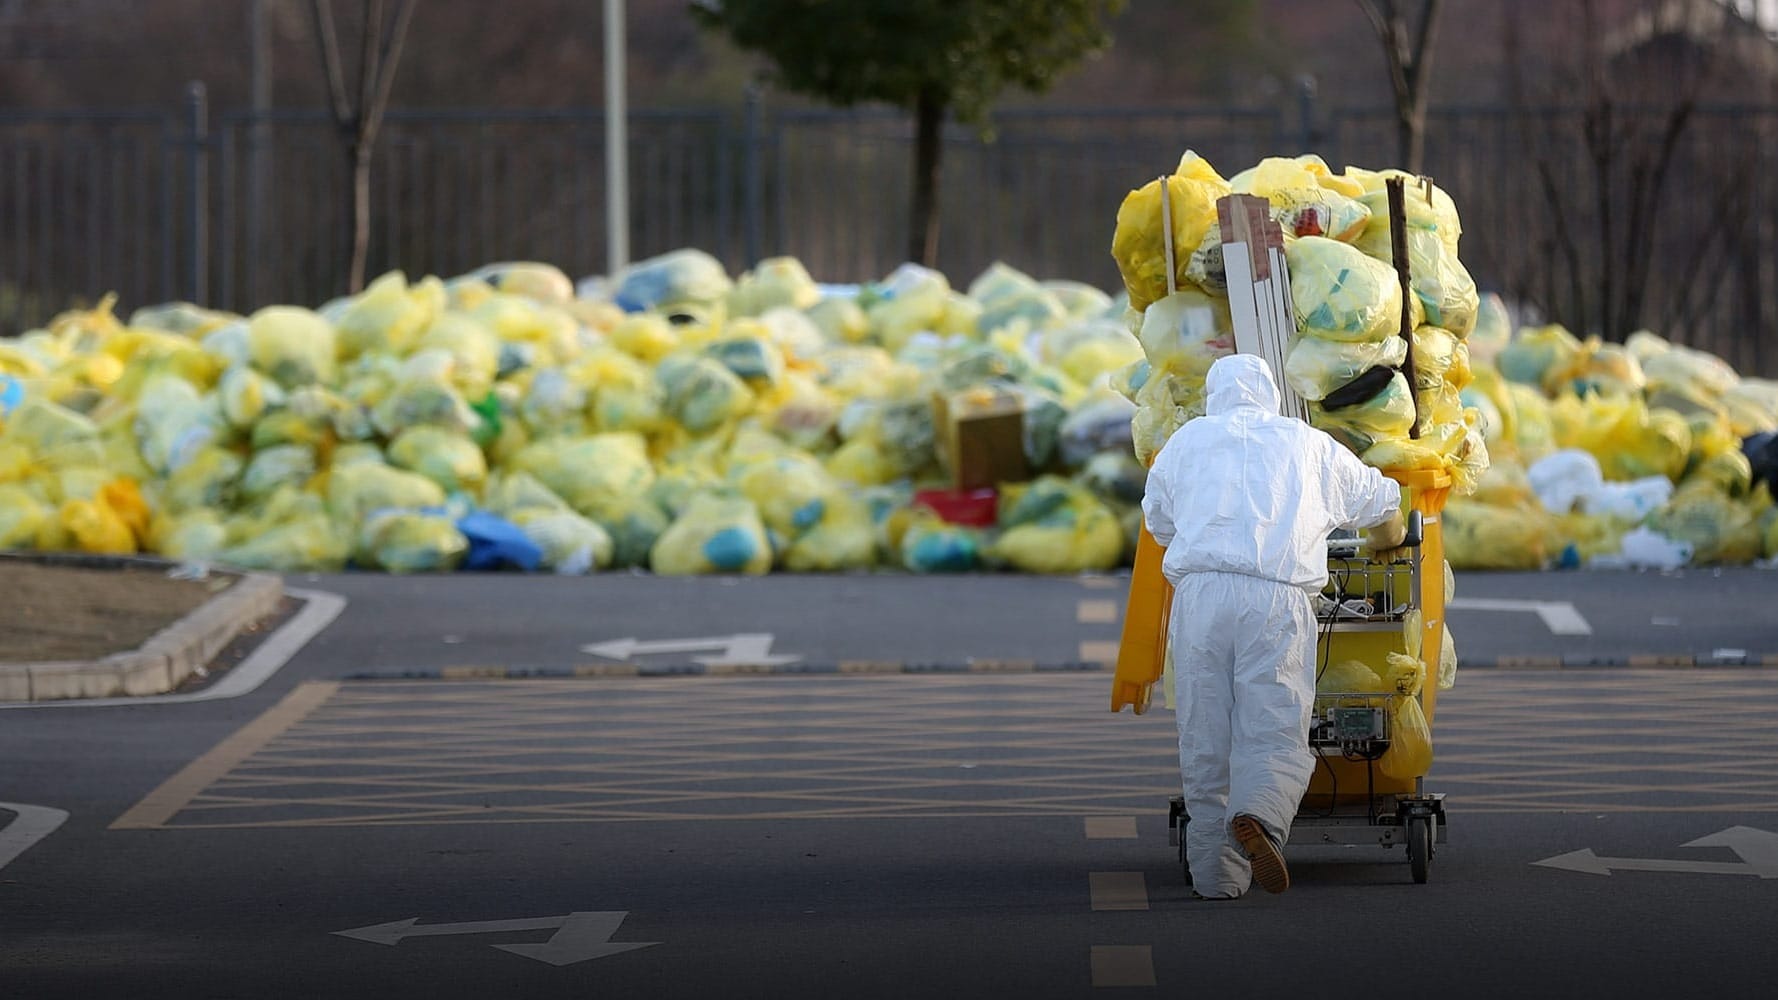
1237	381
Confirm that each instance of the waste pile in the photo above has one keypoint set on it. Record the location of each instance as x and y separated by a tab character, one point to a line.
678	418
669	417
1644	454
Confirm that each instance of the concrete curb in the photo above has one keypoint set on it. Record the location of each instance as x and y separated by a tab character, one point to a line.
161	663
473	672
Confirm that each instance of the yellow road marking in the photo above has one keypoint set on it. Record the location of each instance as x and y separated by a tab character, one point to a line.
1123	965
1111	827
176	792
1096	612
1118	890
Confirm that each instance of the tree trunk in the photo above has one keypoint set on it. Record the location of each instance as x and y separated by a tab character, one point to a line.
358	217
929	122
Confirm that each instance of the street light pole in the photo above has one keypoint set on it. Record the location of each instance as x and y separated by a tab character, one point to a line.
617	181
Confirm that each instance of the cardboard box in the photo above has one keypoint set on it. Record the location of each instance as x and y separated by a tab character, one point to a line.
981	437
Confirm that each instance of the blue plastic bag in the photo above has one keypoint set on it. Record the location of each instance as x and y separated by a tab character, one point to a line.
496	543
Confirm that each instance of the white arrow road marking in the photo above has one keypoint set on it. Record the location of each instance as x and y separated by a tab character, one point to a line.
32	824
741	648
1560	617
1758	850
580	936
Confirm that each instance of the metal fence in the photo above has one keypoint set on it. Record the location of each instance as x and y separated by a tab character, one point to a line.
237	211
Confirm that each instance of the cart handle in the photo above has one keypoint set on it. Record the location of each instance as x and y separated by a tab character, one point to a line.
1415	530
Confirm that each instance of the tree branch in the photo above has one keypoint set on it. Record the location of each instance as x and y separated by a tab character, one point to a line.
367	60
386	63
328	39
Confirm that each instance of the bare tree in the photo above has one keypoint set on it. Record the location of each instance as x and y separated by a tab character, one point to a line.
359	115
1408	50
1614	176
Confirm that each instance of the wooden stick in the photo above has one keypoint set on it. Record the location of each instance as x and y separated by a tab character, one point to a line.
1398	248
1167	233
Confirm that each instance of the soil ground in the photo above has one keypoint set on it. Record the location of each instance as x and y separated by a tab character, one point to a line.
68	613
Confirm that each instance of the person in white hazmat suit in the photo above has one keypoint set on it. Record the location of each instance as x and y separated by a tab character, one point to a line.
1243	500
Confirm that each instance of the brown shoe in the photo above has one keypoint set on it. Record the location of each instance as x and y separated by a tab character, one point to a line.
1267	861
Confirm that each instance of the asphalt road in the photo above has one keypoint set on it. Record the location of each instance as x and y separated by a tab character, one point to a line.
946	834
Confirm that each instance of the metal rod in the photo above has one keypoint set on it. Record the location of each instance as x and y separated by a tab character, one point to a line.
1398	248
617	181
198	190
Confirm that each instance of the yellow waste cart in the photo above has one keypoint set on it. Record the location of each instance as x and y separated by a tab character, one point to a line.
1370	609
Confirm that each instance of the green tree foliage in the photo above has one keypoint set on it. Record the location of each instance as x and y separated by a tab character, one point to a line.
932	58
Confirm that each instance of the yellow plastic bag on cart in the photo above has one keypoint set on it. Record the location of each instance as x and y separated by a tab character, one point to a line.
1138	244
1410	737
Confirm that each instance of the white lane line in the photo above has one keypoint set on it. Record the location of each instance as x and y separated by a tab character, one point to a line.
1111	827
1560	617
1096	612
1123	965
319	610
1118	890
33	823
1098	651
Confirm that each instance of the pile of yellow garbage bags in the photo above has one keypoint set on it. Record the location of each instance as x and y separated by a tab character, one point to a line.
1644	454
670	416
1347	358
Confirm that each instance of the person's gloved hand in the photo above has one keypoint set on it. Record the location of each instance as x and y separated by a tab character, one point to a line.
1385	538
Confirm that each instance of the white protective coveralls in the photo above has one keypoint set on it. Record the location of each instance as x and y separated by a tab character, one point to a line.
1243	499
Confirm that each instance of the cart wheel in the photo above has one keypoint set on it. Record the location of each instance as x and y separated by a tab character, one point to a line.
1419	846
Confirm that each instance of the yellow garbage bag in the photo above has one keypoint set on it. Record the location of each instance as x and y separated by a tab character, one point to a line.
533	280
1138	245
355	491
1439	281
1348	677
451	460
114	522
773	282
389	316
717	534
474	351
645	336
246	395
1306	198
1534	433
281	465
293	346
1719	529
1340	294
840	320
1317	366
400	541
306	542
209	480
595	474
1054	526
22	516
843	539
1447	657
702	394
572	545
1538	352
1389	414
198	535
1494	330
1483	536
1410	737
1186	332
1427	206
